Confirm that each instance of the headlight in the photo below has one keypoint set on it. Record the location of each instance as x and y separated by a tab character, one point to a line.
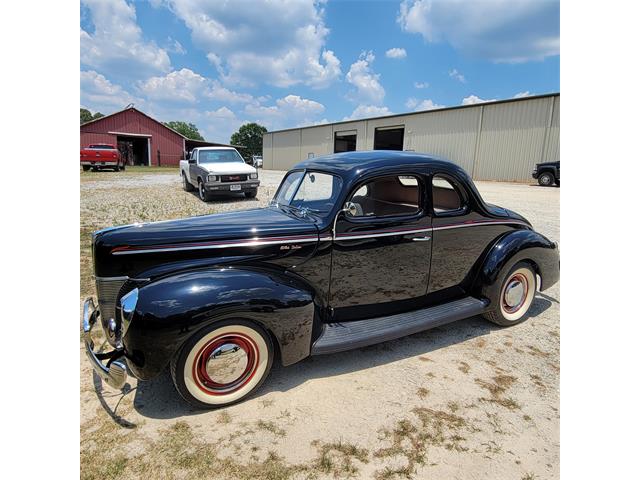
127	307
253	176
212	178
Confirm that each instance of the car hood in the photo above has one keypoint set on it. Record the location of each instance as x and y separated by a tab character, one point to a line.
124	250
228	168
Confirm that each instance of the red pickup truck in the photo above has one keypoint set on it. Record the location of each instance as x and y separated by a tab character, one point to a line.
99	156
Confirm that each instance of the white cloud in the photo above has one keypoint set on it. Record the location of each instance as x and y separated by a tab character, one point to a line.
455	74
249	41
499	30
366	111
522	94
186	86
116	45
288	112
99	94
367	83
473	99
175	46
421	85
420	105
396	53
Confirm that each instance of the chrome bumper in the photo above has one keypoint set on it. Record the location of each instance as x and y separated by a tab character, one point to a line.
115	374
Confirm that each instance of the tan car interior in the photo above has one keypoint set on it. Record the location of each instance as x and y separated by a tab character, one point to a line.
385	197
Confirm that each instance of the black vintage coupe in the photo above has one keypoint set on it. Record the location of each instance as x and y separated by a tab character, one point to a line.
354	249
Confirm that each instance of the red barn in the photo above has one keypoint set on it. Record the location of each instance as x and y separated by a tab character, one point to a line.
141	139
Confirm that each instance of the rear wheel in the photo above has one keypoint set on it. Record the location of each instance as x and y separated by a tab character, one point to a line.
186	186
116	169
86	168
222	364
512	296
546	179
122	167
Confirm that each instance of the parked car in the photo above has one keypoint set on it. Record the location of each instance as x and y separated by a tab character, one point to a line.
257	161
355	248
99	156
547	173
218	170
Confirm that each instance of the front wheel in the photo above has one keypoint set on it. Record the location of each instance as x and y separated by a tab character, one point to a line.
186	186
202	193
251	193
222	364
86	168
546	179
512	296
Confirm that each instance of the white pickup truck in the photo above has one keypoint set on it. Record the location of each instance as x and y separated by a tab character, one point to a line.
218	170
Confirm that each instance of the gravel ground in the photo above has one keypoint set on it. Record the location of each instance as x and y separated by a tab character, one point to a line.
467	400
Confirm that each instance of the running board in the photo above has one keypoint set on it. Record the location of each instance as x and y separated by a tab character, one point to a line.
338	337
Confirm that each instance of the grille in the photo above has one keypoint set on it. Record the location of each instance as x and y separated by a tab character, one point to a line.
233	178
108	289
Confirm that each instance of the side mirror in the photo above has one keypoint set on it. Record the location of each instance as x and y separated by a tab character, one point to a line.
350	209
192	160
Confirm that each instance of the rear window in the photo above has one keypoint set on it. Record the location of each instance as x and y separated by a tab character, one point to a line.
100	147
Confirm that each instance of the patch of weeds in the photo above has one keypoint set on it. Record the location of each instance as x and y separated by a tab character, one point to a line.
337	458
497	388
271	427
481	343
529	476
464	367
527	418
423	392
492	447
224	418
494	421
536	352
267	403
538	382
406	441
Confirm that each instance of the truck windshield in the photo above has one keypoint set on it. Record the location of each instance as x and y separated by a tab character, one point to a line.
314	191
219	156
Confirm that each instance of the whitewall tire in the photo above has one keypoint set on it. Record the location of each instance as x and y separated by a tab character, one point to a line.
223	364
510	303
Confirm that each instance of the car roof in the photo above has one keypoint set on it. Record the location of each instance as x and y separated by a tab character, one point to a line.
349	164
214	148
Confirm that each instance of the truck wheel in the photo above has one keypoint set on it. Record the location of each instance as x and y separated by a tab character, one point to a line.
186	186
546	179
122	167
116	169
222	364
202	193
512	295
251	193
86	168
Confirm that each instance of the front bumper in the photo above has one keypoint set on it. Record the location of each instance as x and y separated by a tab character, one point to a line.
226	187
534	174
114	373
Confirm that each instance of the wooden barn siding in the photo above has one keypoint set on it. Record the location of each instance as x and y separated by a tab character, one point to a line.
169	143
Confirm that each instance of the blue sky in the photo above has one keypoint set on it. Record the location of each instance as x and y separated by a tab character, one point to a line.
293	62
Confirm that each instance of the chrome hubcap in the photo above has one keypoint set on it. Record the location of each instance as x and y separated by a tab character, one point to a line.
227	363
514	293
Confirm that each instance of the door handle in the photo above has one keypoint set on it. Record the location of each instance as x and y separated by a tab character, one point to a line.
421	239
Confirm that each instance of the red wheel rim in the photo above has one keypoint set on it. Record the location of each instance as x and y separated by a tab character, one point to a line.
522	279
199	369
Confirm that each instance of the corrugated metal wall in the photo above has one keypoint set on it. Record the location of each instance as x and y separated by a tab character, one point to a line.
493	141
165	143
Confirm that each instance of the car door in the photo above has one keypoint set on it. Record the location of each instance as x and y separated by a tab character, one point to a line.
193	167
381	256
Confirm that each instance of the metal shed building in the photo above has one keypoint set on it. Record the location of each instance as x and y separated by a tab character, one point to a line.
500	140
142	139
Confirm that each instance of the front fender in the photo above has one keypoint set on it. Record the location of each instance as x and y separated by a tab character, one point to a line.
173	308
517	246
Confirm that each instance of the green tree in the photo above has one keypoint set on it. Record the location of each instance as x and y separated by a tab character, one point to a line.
189	130
249	136
85	116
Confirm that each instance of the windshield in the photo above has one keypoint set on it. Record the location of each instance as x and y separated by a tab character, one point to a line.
314	191
219	156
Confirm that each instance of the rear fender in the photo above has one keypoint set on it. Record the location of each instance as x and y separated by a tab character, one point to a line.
172	309
516	246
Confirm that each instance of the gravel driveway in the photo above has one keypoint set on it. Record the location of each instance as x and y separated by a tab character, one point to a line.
467	400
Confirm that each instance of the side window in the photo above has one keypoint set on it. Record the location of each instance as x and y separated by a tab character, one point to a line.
194	155
388	196
446	197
